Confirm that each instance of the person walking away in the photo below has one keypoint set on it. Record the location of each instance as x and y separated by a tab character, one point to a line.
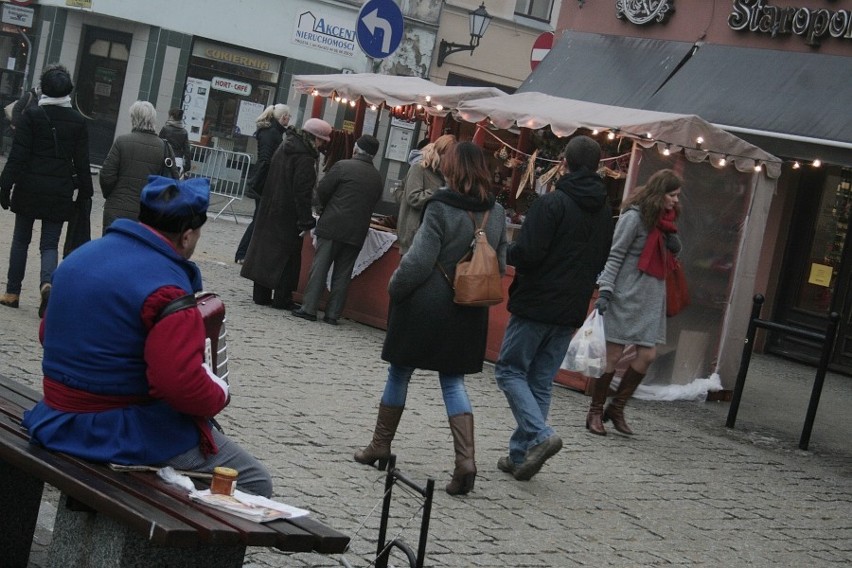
561	248
271	125
131	159
274	256
423	179
50	150
426	328
633	292
346	196
174	132
124	374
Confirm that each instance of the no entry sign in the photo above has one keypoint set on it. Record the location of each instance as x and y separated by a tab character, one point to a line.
540	48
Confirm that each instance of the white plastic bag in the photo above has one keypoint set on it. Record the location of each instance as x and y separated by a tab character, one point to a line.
587	351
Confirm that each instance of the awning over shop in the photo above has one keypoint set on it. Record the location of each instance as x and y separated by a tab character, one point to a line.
674	132
392	90
792	97
606	69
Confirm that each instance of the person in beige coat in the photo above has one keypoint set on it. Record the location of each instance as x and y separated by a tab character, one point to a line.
132	158
423	179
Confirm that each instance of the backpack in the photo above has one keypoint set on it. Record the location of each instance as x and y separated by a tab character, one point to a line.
478	281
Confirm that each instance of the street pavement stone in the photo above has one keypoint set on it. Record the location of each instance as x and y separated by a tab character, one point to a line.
685	491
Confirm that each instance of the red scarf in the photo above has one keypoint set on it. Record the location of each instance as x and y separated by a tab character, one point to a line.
653	260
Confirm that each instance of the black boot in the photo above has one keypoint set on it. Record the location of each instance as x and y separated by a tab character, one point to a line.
379	448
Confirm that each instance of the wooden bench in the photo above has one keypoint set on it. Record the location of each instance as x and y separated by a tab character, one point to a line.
123	519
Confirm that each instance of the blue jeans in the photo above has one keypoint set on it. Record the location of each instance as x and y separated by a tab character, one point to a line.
49	247
530	357
452	389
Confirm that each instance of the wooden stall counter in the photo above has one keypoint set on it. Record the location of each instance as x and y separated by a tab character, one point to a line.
367	302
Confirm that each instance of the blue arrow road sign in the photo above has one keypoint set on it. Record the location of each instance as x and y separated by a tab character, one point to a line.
379	29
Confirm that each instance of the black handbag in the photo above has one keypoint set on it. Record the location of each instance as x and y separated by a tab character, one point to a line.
79	229
168	160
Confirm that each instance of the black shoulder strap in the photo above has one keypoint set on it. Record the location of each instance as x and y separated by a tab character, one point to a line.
176	305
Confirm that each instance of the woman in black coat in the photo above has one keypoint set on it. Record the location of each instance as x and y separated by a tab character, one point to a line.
426	329
271	125
48	163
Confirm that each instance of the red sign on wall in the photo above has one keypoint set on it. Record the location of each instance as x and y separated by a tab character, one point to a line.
540	48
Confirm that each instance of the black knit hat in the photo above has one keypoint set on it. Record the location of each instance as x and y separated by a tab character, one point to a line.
56	81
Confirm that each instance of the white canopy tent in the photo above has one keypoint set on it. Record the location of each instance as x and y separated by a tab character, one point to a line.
392	90
648	128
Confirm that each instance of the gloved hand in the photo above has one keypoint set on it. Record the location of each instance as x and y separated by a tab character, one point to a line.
5	197
672	243
305	227
602	303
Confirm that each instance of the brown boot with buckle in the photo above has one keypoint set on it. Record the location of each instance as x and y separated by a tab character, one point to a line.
464	473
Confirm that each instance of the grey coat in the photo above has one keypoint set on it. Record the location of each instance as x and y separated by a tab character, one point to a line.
426	329
637	311
420	184
132	158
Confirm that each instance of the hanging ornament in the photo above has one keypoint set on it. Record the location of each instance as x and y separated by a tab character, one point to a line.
502	154
528	178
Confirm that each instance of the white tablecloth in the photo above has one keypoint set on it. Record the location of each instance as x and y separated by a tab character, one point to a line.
375	246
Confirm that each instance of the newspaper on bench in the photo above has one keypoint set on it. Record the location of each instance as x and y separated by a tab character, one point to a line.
251	507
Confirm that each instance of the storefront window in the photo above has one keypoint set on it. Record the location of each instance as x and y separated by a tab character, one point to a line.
226	90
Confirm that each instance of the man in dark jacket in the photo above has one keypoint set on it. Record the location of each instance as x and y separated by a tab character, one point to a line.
563	245
346	195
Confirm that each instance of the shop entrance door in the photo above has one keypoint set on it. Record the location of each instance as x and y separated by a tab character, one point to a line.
100	83
817	267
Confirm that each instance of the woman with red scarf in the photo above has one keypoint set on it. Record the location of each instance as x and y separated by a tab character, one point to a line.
633	292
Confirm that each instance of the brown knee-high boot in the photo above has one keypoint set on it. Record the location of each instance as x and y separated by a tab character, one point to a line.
615	410
464	473
594	419
379	447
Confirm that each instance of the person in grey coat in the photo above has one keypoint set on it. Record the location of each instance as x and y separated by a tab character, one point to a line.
633	292
426	328
346	195
423	179
132	158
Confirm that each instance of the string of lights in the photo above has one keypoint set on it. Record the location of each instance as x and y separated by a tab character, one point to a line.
718	158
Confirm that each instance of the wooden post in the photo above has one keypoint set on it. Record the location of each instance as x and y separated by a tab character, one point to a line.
360	110
316	111
436	128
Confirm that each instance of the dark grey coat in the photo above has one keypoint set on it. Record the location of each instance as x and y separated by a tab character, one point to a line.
347	195
426	330
284	210
132	158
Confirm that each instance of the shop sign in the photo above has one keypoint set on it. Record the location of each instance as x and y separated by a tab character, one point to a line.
644	12
79	4
18	15
231	86
813	25
328	34
242	59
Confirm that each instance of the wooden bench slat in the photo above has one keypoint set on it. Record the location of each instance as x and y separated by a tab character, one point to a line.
90	489
329	540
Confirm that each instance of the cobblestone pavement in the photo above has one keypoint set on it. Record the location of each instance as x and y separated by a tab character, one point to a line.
685	491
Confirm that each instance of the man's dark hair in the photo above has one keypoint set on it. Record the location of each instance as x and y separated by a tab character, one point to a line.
582	152
56	81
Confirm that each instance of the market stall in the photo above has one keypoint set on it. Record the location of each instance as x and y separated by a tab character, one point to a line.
728	186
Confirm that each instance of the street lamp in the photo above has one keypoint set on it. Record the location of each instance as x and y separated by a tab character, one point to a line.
479	20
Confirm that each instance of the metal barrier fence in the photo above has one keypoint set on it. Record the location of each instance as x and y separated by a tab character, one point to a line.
228	172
